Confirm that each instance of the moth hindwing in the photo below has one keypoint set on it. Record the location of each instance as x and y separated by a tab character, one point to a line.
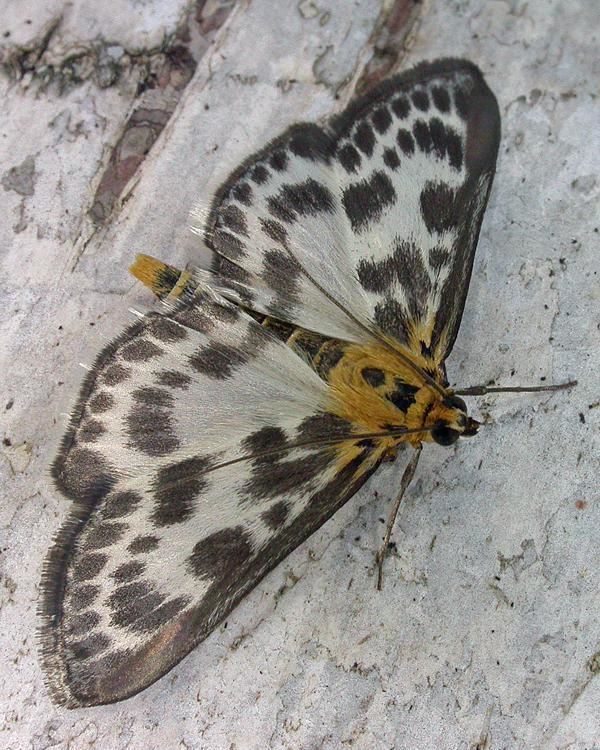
211	438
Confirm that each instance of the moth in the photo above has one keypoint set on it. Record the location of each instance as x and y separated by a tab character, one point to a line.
214	435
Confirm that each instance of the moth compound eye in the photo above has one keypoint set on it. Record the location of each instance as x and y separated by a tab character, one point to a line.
445	435
457	403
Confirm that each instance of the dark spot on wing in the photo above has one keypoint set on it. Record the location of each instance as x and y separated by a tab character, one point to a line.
174	379
104	535
140	350
391	317
149	422
439	206
328	357
301	199
91	646
422	136
420	100
129	571
143	544
166	330
438	258
85	475
441	98
228	244
87	566
78	625
364	138
281	272
217	361
381	119
349	158
275	231
265	439
115	374
121	504
276	516
279	161
90	430
323	425
222	555
260	174
101	402
390	158
401	107
82	597
234	218
177	487
454	148
242	192
405	141
311	142
272	476
365	201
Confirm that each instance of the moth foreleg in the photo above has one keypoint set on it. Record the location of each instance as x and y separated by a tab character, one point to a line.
409	473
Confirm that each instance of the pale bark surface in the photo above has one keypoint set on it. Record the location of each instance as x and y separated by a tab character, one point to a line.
116	118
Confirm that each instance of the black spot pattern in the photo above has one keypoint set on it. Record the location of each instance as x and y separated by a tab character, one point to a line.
176	489
401	107
129	571
217	361
166	330
88	566
260	174
234	218
140	350
420	99
228	244
423	136
438	258
264	439
439	206
391	158
173	379
221	555
91	646
301	199
90	431
149	423
279	160
82	597
405	141
349	158
391	317
81	624
275	231
272	475
441	98
310	142
115	374
365	201
364	138
104	535
242	192
85	475
143	544
277	515
381	119
323	425
101	402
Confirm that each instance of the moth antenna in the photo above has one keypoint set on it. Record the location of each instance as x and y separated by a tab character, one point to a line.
481	390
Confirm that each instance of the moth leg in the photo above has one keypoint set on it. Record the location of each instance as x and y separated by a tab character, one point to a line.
409	473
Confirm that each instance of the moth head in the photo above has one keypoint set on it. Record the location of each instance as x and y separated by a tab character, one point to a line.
455	422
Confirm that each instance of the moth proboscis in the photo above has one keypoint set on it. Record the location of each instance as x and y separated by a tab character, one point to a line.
216	434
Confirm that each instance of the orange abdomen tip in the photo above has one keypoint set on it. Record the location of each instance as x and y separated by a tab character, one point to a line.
156	275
